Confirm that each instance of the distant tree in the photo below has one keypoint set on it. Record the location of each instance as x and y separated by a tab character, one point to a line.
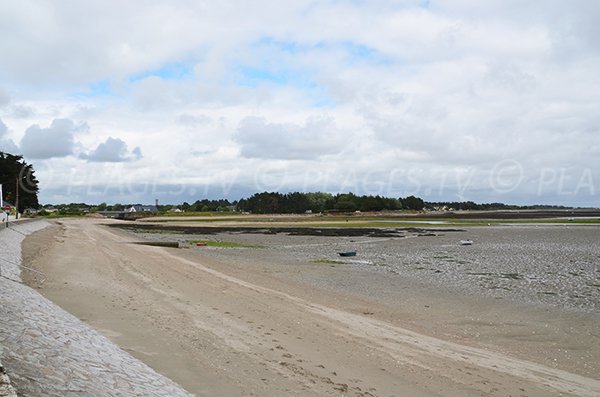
296	203
392	204
346	202
263	203
320	201
14	171
196	206
242	205
370	203
413	203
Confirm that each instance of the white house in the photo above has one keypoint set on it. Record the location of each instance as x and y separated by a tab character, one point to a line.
142	208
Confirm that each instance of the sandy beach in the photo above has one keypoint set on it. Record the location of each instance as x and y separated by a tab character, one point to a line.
288	319
48	352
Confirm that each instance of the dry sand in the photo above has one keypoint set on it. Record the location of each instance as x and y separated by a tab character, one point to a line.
252	327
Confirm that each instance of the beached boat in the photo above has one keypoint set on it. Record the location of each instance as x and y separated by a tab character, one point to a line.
466	242
347	253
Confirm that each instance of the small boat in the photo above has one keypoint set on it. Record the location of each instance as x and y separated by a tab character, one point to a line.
466	242
347	253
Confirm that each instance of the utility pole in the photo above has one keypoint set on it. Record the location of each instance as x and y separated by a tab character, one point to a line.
2	207
17	201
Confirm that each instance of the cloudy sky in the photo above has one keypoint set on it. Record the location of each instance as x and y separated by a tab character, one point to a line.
449	100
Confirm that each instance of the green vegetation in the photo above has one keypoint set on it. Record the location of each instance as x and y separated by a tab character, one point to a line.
154	231
15	174
226	244
60	214
385	220
204	206
326	261
297	202
345	210
200	213
64	210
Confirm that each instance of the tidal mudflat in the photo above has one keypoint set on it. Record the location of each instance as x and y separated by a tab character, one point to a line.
554	265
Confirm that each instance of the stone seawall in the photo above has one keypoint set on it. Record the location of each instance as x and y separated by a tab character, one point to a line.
48	352
6	389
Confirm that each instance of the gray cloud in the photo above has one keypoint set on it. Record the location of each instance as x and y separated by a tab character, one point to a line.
261	139
22	112
191	120
4	98
113	150
55	141
6	144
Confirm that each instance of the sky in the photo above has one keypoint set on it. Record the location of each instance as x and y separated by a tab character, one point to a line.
453	100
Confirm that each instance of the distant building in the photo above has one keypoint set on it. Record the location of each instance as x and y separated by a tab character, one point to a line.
142	208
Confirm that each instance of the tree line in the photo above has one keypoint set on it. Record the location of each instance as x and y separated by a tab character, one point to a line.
18	176
289	203
297	202
274	203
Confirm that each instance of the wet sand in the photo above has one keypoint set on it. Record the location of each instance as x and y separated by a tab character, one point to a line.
256	322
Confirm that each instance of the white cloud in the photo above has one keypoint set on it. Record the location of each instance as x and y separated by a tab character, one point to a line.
441	85
55	141
113	150
261	139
